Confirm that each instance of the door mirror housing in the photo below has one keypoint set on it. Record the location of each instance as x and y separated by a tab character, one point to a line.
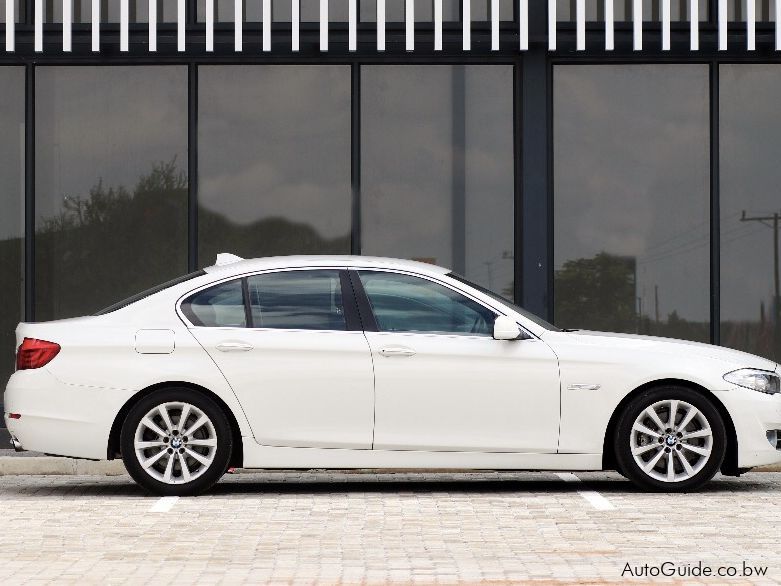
505	328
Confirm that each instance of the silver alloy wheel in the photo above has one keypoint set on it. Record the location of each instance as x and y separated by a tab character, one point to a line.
671	440
175	442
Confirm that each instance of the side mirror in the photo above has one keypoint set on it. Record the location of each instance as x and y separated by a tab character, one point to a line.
505	328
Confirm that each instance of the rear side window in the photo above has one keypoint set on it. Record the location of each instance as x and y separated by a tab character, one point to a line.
218	306
297	300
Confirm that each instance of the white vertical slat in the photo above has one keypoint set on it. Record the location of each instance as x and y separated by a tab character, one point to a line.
238	25
153	25
124	25
580	23
409	25
665	25
324	25
266	25
523	25
352	32
609	26
551	25
722	25
380	25
181	19
295	19
466	25
494	25
637	25
67	20
95	26
10	29
210	25
694	25
437	25
38	25
751	25
778	25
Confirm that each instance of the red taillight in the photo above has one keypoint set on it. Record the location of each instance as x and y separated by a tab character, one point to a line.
35	353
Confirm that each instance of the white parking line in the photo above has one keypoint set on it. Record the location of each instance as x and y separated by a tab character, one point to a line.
164	504
595	499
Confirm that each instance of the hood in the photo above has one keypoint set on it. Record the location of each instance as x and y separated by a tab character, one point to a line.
659	346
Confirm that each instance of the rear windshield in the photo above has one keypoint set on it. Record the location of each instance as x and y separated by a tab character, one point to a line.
148	292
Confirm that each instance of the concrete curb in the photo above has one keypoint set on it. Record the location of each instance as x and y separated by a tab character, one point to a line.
50	465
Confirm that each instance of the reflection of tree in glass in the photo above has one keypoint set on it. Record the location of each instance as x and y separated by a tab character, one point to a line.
116	242
600	293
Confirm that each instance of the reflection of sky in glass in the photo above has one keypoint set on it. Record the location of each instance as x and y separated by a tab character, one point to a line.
410	166
109	123
750	179
274	141
631	176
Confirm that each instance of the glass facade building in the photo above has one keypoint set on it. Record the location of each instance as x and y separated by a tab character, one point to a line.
606	167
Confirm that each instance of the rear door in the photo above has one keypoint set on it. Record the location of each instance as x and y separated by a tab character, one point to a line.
291	346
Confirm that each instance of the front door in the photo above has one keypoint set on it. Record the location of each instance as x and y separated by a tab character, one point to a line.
442	383
303	377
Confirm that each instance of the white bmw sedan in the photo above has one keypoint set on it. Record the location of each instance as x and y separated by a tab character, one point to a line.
357	362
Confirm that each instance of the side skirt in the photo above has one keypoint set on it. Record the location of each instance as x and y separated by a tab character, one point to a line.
257	456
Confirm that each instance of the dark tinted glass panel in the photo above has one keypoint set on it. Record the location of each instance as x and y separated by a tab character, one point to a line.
623	10
12	215
750	176
403	303
274	160
111	184
437	167
631	179
218	306
297	300
138	11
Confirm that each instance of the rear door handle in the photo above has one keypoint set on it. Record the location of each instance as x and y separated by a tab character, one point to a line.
397	351
233	347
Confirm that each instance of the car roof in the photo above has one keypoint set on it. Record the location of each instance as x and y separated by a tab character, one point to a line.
241	266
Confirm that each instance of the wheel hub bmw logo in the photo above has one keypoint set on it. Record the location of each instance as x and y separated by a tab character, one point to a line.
671	440
177	443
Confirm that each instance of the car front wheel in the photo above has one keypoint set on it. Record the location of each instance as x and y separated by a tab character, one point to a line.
670	439
176	442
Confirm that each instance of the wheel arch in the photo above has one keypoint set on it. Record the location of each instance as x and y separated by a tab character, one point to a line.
730	465
113	447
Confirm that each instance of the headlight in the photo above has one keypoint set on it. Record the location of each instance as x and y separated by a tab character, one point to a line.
756	380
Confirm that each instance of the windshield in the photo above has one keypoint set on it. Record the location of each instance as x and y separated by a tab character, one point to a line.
148	292
517	308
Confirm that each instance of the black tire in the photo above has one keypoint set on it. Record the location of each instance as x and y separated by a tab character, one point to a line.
704	467
203	479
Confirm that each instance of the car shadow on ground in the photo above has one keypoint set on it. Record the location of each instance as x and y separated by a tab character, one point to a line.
275	483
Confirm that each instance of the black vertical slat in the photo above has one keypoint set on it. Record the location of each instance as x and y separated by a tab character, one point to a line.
518	181
355	157
192	167
715	211
29	194
458	169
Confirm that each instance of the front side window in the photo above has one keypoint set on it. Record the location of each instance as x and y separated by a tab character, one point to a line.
218	306
403	303
297	300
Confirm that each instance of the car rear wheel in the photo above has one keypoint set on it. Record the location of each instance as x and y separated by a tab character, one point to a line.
176	442
670	439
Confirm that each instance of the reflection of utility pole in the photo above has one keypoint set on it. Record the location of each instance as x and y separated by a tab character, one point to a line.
777	289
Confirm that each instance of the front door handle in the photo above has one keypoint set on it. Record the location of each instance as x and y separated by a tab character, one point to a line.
397	351
233	347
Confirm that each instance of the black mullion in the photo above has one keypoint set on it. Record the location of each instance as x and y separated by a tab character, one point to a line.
355	157
715	212
518	182
29	194
192	167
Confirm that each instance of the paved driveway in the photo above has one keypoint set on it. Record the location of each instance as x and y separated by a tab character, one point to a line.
380	528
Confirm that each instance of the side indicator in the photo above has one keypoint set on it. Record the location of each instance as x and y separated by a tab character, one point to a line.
584	387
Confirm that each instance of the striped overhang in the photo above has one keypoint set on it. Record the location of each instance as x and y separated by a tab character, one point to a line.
522	20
